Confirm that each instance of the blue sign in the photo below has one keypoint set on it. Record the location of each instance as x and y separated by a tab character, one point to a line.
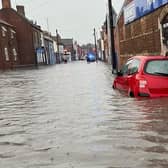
139	8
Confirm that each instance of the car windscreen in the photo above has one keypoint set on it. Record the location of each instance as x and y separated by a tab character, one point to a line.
157	67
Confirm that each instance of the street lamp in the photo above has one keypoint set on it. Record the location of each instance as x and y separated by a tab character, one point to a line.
111	22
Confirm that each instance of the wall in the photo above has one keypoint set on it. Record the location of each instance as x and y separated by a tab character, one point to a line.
24	35
8	47
141	37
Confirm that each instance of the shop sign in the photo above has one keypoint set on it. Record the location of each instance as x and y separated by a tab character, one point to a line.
139	8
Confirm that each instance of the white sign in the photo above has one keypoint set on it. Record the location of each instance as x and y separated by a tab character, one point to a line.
129	12
150	2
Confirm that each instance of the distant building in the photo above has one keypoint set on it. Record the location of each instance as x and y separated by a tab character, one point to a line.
28	34
69	47
49	48
80	53
106	48
88	48
109	32
8	46
104	43
58	48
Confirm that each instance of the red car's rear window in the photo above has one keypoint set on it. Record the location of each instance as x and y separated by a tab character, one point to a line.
157	67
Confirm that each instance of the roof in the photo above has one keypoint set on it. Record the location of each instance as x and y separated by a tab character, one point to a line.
23	17
149	57
5	23
67	41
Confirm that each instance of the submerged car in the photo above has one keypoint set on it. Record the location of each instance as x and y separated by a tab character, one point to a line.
144	76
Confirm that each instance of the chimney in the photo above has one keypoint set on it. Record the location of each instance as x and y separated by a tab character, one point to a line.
20	10
6	4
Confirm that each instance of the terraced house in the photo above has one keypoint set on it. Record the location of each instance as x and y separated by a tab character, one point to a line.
28	34
8	46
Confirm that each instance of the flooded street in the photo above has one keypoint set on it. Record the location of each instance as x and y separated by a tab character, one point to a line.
68	116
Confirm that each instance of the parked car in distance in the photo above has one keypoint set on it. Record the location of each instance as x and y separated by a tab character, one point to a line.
144	76
91	57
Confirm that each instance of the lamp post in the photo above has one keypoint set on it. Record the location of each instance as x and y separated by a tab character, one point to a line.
111	22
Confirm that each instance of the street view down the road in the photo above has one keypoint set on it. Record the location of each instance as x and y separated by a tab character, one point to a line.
73	118
84	84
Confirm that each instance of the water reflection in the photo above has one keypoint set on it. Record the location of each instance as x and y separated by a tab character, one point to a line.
69	116
154	130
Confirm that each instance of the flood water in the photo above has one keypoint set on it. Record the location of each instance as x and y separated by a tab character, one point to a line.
68	116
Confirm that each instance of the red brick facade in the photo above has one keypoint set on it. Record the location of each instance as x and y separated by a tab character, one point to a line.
143	36
25	35
8	44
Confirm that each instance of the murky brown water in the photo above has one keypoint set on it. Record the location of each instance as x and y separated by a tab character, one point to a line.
68	116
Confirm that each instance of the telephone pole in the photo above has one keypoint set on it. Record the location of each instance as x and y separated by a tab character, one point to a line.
95	40
57	37
111	22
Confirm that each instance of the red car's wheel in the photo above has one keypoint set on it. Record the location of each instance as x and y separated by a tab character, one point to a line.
131	93
114	86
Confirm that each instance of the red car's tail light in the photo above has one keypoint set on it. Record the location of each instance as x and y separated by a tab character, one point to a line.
142	83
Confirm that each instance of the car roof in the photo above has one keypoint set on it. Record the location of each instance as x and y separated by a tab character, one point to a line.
150	57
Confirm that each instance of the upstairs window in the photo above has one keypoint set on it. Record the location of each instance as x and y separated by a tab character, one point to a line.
12	33
4	31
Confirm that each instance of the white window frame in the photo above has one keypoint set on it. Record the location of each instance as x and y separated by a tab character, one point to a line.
12	33
14	54
6	54
4	30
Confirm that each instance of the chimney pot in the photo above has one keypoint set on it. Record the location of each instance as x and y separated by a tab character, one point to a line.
20	10
6	4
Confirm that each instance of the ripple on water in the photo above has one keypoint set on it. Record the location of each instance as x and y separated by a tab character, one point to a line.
69	116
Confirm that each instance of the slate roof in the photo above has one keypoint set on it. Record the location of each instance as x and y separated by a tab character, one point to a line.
67	41
5	23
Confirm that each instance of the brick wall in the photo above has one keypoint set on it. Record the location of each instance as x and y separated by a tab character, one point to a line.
8	46
24	32
141	37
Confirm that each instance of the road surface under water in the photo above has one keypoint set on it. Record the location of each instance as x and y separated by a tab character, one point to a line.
68	116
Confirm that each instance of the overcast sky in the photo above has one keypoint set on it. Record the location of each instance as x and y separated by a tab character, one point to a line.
73	18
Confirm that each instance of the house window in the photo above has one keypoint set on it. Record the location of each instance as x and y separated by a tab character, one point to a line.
4	30
14	54
12	33
6	54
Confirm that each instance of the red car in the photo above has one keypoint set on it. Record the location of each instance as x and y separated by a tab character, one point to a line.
144	76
